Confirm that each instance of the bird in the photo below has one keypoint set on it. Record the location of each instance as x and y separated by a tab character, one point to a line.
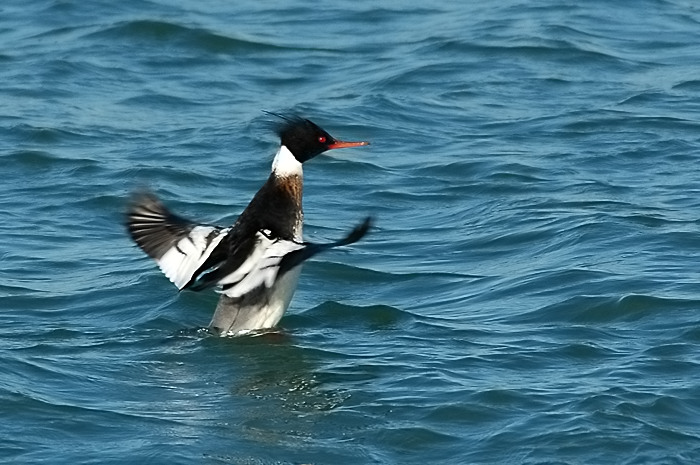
255	263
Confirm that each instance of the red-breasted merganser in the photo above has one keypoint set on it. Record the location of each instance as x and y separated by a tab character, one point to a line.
256	262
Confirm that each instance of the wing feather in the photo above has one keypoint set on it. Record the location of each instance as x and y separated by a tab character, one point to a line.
179	246
272	257
261	267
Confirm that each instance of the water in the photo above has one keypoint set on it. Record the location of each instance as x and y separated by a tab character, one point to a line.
530	292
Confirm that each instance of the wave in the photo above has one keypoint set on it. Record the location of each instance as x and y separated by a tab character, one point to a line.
588	310
371	317
197	38
692	85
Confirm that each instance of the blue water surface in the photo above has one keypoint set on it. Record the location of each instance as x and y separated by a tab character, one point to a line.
529	294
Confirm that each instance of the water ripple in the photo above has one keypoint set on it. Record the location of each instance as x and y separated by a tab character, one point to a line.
158	32
529	290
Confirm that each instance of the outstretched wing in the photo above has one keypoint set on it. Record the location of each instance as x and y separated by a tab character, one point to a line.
310	249
261	267
182	249
270	257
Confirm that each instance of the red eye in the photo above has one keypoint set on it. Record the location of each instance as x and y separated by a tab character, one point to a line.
322	139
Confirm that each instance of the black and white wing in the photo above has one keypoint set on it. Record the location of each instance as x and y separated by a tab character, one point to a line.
182	249
270	257
261	266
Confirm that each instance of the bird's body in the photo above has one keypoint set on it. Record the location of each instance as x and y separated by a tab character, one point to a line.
256	262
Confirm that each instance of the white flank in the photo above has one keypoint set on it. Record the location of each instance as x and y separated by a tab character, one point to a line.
182	260
261	267
281	297
285	164
269	315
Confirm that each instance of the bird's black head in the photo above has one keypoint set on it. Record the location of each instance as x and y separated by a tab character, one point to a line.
306	139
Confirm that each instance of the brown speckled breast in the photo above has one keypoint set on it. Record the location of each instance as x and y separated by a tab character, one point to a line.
291	187
277	207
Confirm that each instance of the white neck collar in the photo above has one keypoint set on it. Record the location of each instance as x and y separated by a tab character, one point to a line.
285	164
